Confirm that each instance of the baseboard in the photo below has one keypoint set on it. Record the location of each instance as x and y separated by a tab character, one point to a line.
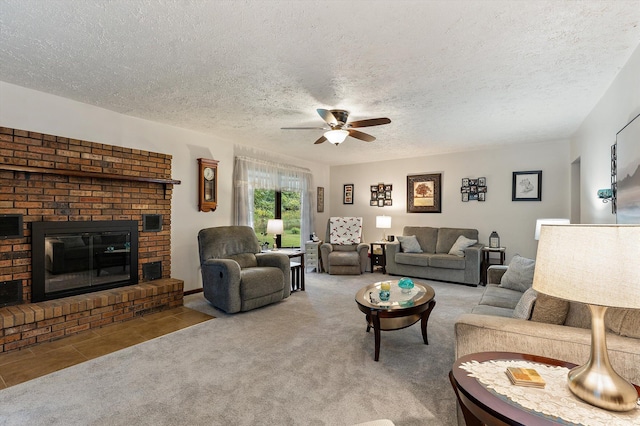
197	290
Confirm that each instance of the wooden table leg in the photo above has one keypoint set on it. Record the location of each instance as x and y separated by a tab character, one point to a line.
376	332
424	319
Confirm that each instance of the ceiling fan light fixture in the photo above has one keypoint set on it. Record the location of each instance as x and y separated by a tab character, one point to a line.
336	136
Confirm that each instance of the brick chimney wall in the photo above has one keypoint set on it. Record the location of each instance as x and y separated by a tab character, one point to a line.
52	197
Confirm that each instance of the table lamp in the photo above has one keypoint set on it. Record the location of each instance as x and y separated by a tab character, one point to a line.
541	222
596	265
383	222
275	227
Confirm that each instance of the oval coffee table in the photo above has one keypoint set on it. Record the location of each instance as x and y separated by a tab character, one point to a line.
400	311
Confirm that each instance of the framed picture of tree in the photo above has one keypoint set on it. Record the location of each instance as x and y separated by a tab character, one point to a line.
424	193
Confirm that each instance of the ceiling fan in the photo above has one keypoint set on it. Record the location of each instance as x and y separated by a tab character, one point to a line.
339	128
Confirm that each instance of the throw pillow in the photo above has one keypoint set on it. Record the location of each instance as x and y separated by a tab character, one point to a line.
525	304
550	310
519	274
461	243
409	244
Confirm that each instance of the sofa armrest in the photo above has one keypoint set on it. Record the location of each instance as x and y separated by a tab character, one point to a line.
325	249
280	261
221	282
473	261
482	333
495	273
363	254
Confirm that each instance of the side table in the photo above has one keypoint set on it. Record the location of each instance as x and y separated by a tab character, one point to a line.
481	405
488	260
312	252
379	256
297	271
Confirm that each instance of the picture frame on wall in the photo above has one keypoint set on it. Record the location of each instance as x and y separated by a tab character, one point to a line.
424	193
527	186
347	197
320	199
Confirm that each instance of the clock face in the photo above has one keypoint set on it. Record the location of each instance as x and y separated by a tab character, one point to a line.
208	173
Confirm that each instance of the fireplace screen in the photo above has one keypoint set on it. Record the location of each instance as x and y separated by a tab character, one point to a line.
79	257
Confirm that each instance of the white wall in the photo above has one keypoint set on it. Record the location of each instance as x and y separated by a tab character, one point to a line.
35	111
592	142
514	221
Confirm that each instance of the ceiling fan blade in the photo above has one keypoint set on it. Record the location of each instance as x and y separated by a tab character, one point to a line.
369	122
362	136
322	139
304	128
327	116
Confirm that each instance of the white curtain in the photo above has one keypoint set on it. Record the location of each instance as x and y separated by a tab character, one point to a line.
250	174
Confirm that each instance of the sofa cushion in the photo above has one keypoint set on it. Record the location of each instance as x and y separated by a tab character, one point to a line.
461	243
245	260
525	304
447	261
550	310
448	236
416	259
492	310
494	295
519	275
427	237
409	244
344	258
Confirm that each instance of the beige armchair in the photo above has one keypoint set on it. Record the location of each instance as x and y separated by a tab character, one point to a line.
344	253
236	276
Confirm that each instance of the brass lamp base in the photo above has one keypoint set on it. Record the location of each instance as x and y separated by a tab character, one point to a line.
596	382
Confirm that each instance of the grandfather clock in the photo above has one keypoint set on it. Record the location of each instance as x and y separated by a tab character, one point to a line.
207	185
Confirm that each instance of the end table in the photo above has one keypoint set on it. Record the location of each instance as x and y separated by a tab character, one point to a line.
379	256
488	260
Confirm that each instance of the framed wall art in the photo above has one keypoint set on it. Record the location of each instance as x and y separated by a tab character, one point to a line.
424	193
381	195
474	189
527	186
347	197
320	199
628	173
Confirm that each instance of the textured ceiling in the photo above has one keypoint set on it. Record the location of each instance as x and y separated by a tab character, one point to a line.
451	75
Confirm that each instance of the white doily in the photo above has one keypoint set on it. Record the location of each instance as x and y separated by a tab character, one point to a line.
554	402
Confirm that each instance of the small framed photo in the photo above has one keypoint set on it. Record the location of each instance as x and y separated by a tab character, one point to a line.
380	202
388	187
388	202
381	195
465	197
527	186
473	182
381	187
473	196
473	189
481	196
320	199
465	182
348	194
482	181
373	203
374	194
387	195
374	188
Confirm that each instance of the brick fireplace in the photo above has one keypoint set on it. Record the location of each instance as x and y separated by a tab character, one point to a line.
52	178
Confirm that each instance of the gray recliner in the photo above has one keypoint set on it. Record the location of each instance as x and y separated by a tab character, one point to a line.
236	276
343	259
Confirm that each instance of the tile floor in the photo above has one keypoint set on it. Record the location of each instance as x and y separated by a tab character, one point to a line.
39	360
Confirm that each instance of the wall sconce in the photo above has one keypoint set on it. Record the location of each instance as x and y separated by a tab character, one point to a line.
605	195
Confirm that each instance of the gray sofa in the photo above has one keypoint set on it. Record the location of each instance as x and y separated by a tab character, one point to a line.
434	262
556	329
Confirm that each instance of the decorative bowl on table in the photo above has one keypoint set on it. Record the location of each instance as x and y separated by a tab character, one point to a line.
406	284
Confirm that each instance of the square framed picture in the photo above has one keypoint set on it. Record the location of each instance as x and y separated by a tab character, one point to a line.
424	193
388	187
388	202
527	186
373	203
347	197
320	199
374	188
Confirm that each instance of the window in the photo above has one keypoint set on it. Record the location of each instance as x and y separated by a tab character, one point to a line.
270	204
265	190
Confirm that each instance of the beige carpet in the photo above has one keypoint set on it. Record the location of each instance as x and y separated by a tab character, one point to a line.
306	360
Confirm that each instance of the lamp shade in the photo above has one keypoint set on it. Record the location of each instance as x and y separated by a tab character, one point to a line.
593	264
541	222
336	136
383	222
275	226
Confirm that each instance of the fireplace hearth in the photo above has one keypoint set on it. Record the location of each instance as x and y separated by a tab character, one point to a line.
71	258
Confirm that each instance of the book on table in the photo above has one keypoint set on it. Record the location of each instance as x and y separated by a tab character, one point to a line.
525	377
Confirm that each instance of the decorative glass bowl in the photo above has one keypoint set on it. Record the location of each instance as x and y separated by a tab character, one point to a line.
406	284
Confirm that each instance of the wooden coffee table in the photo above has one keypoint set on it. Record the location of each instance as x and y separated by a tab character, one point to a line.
400	311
